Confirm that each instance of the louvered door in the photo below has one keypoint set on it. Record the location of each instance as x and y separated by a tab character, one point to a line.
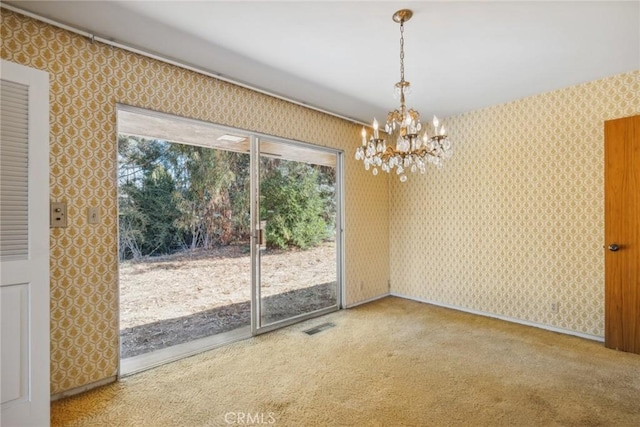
24	245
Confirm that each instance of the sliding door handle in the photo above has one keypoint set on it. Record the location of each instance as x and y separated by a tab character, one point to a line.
262	235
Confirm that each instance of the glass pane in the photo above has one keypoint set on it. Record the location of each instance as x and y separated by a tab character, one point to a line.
184	236
298	214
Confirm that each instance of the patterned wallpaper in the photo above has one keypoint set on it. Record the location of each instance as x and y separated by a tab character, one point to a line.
87	79
515	220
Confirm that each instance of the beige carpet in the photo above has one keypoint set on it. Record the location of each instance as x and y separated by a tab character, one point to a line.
389	363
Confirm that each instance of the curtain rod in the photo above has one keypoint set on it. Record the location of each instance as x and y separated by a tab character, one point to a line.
170	61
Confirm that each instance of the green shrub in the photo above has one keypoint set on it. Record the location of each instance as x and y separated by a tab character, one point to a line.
293	205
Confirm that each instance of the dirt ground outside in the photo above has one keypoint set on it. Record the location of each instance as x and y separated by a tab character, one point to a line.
193	291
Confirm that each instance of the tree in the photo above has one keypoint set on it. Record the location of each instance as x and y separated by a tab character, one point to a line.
147	198
174	196
292	204
156	203
130	225
214	195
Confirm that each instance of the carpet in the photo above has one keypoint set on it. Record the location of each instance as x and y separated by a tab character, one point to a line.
392	362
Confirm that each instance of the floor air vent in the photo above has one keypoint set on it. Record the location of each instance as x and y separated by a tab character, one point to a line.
319	328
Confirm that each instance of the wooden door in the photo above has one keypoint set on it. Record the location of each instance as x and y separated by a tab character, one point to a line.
622	234
24	246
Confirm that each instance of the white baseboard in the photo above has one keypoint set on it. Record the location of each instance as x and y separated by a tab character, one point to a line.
82	389
355	304
505	318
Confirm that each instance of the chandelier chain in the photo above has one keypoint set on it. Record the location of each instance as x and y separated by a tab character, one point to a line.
402	51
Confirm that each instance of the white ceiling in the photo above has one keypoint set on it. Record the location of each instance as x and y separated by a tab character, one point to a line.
344	56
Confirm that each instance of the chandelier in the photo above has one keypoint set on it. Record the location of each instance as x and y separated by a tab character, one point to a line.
414	146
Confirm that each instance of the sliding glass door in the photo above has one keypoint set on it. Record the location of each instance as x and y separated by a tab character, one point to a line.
223	233
298	211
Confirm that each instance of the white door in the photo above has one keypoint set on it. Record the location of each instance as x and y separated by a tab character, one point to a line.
24	246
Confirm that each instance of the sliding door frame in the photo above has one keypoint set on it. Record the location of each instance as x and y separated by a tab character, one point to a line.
256	303
254	152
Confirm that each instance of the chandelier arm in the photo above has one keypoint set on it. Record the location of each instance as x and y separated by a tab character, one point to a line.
391	152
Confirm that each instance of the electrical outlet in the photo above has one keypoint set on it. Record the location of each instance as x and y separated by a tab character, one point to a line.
58	214
554	307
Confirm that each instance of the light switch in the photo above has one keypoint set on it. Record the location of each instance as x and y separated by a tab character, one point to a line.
93	215
58	214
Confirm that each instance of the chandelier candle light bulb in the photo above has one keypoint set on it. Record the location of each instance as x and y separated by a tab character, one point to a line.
414	148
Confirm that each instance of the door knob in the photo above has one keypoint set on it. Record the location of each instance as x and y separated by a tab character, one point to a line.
614	247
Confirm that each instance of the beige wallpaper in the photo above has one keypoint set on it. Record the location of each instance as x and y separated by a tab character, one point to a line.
515	220
87	79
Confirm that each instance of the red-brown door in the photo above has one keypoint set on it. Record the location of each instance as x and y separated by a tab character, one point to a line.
622	234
